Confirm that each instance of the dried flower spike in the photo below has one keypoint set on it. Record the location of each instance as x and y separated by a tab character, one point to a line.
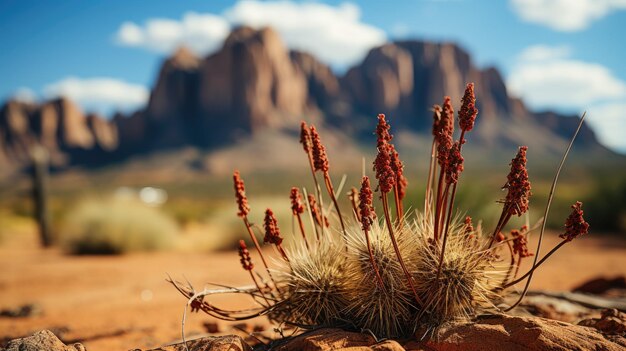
296	201
455	164
436	120
366	205
320	160
240	194
520	244
398	168
468	111
383	137
518	185
575	224
305	137
382	164
244	256
272	233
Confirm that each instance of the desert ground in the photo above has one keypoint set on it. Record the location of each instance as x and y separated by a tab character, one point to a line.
124	302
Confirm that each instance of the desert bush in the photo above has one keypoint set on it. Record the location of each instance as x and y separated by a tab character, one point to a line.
607	206
116	226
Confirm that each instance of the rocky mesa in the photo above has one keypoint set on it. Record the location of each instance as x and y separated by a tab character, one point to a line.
254	84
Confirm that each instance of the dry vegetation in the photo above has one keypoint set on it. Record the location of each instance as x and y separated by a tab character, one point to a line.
397	270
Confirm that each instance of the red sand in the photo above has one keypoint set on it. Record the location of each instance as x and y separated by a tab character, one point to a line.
119	303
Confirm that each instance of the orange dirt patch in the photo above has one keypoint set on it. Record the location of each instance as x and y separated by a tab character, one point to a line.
119	303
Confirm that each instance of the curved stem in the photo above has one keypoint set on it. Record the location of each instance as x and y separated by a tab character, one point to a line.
535	266
547	211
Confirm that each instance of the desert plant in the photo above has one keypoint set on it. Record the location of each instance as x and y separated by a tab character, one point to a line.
398	272
116	226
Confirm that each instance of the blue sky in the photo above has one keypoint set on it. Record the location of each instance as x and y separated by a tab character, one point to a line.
559	54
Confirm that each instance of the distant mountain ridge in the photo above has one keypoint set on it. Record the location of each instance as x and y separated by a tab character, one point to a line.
254	84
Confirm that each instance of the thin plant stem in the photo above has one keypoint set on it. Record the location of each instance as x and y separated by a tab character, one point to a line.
398	204
428	202
511	265
258	249
438	204
301	225
259	287
331	193
535	266
545	215
445	231
371	254
318	189
397	249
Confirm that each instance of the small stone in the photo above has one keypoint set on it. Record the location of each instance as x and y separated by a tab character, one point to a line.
43	340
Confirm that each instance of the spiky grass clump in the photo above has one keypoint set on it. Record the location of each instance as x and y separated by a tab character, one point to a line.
314	284
384	307
460	284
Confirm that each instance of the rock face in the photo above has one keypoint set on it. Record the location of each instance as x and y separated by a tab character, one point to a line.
253	84
58	125
44	340
491	333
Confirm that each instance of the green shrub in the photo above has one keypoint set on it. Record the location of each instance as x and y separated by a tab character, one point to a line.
606	207
116	226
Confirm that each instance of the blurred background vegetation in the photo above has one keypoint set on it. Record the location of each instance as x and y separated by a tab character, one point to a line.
92	213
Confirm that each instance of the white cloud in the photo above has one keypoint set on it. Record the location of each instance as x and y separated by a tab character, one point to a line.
565	15
609	122
202	33
100	94
24	94
545	52
335	34
547	78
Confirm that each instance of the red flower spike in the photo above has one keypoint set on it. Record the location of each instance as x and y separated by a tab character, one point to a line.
272	233
518	185
383	137
244	256
520	243
366	204
384	173
444	134
315	212
296	202
468	111
455	164
305	137
240	195
398	168
575	224
383	164
320	160
436	120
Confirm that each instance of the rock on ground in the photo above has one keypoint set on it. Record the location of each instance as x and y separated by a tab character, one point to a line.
210	343
43	340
